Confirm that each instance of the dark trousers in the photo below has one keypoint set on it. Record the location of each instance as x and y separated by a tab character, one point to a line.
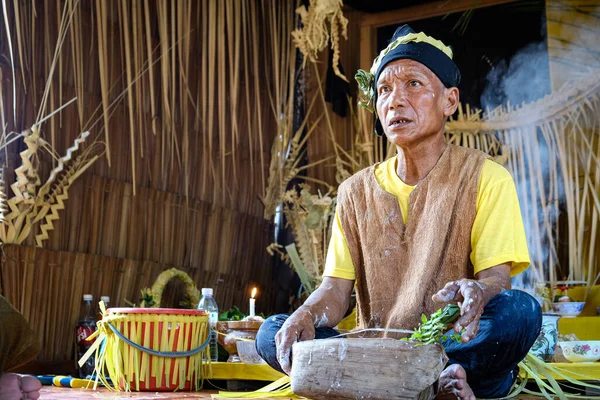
508	327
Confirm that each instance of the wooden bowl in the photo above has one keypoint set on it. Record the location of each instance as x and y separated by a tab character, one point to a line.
234	330
385	369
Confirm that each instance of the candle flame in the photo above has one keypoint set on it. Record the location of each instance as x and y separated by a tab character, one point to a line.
253	292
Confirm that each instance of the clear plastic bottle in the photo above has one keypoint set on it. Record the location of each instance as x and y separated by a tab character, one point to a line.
86	325
106	300
208	304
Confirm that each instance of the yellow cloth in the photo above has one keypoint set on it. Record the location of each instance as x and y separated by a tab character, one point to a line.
497	237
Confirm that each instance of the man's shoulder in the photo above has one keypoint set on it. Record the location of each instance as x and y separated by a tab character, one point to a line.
467	152
358	180
493	173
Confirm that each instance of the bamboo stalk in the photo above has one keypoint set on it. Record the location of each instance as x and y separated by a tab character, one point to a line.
257	96
19	41
125	22
136	21
101	14
62	33
221	43
12	62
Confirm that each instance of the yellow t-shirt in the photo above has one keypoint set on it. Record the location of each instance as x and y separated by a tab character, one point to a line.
497	236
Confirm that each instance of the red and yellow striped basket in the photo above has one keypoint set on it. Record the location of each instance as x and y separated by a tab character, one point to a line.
151	349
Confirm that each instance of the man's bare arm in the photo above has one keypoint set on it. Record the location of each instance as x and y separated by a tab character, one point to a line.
325	307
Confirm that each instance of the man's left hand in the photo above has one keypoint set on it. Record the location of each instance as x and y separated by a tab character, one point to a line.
469	294
472	295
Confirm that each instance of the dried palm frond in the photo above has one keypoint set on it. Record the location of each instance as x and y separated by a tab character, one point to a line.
275	248
546	377
24	189
101	25
57	197
62	162
310	217
31	204
309	282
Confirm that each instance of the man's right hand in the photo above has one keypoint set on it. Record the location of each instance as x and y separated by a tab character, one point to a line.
325	307
298	327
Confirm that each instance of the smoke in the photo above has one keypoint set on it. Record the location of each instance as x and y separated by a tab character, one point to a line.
540	207
573	51
524	79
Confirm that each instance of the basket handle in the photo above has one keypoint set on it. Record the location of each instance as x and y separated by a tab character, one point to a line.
168	354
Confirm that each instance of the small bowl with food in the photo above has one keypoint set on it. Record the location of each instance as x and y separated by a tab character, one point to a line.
581	351
567	308
247	351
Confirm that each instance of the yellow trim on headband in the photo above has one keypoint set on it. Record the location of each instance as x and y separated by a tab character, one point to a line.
411	37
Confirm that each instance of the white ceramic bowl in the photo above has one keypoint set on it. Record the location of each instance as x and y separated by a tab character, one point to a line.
581	350
568	309
247	352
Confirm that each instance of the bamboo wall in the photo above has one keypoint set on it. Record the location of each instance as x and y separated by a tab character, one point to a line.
183	95
47	286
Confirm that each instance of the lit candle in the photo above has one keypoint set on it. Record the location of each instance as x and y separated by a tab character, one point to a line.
252	302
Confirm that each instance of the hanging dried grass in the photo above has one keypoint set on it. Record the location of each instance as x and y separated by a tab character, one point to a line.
314	35
166	97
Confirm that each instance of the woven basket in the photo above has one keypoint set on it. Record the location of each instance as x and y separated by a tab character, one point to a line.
139	354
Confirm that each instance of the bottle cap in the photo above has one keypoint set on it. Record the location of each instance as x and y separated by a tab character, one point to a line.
206	291
105	299
88	297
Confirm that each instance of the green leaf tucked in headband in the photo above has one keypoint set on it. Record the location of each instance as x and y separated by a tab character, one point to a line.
366	85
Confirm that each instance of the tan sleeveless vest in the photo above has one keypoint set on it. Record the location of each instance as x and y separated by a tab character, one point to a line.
399	267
